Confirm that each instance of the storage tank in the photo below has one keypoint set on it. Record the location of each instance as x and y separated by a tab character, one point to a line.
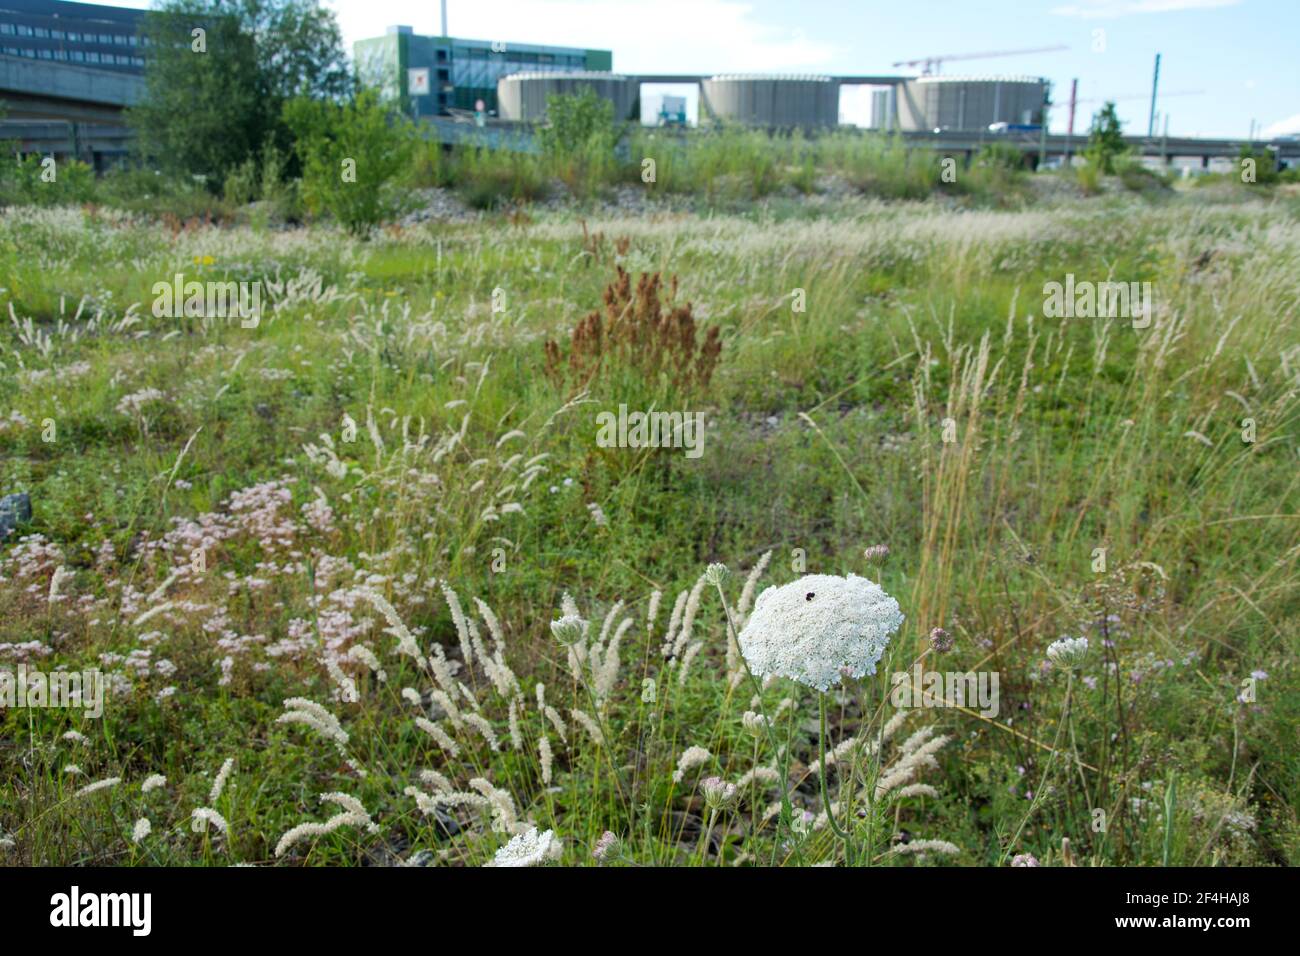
970	103
522	96
772	100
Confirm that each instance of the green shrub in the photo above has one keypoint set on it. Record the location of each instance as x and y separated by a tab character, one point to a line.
350	155
42	181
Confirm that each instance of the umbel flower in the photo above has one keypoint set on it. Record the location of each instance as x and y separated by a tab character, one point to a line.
820	628
527	849
1068	651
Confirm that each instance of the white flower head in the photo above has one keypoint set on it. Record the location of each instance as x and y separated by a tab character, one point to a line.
1068	651
718	794
717	574
526	849
569	629
819	629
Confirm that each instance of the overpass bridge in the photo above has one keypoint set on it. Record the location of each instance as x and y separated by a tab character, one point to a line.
53	90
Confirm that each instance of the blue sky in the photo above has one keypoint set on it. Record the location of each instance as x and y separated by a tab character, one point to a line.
1243	56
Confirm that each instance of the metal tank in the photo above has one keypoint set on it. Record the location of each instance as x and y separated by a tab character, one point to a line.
969	102
522	96
772	100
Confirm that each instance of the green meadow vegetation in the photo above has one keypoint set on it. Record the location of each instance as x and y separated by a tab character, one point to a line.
318	557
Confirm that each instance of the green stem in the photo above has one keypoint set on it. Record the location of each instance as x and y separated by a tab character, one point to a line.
826	800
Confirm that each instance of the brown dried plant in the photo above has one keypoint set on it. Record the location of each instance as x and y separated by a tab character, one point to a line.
637	332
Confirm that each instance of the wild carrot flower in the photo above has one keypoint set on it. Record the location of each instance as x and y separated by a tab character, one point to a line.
526	849
569	629
818	628
1024	859
606	846
1068	651
877	552
717	574
941	640
755	724
141	829
718	794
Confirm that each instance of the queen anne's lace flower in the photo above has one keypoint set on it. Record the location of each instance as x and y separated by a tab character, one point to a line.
819	628
1068	651
526	849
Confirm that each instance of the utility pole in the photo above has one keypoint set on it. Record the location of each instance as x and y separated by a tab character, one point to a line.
444	17
1069	134
1155	84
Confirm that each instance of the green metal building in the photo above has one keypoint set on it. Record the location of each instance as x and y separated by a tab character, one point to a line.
432	75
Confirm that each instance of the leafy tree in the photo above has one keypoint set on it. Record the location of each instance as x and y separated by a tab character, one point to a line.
218	73
1105	139
351	154
579	137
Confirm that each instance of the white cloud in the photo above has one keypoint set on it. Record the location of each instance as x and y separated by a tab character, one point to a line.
1112	9
1287	127
665	36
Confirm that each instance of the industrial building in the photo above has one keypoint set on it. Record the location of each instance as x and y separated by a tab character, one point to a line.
522	96
80	34
770	100
961	103
436	74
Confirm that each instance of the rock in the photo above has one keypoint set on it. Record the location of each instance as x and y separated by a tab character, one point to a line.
14	510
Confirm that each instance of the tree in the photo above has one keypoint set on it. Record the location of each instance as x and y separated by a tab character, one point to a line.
218	73
1106	139
350	154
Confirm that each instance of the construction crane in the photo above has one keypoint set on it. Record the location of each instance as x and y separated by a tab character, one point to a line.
931	65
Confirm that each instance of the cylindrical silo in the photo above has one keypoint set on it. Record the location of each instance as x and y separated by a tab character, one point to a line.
970	102
523	96
772	100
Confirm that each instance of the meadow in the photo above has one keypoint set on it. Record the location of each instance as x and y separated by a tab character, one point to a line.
320	560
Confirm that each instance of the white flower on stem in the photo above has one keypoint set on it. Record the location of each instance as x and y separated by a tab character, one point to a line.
820	628
526	849
1068	651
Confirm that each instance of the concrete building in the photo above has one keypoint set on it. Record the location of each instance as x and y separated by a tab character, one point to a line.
432	75
77	34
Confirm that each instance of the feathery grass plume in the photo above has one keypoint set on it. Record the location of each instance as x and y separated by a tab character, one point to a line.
141	829
688	618
927	846
544	754
439	735
838	753
202	816
751	582
153	782
609	620
437	664
505	817
219	784
60	575
406	643
435	781
493	624
152	613
691	757
527	849
686	661
516	738
354	814
589	725
76	737
458	618
653	611
557	722
674	621
359	652
819	628
480	723
918	790
606	664
74	770
765	775
412	697
347	687
300	710
445	701
98	785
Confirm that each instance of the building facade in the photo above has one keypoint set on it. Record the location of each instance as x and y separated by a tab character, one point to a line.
432	75
77	34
